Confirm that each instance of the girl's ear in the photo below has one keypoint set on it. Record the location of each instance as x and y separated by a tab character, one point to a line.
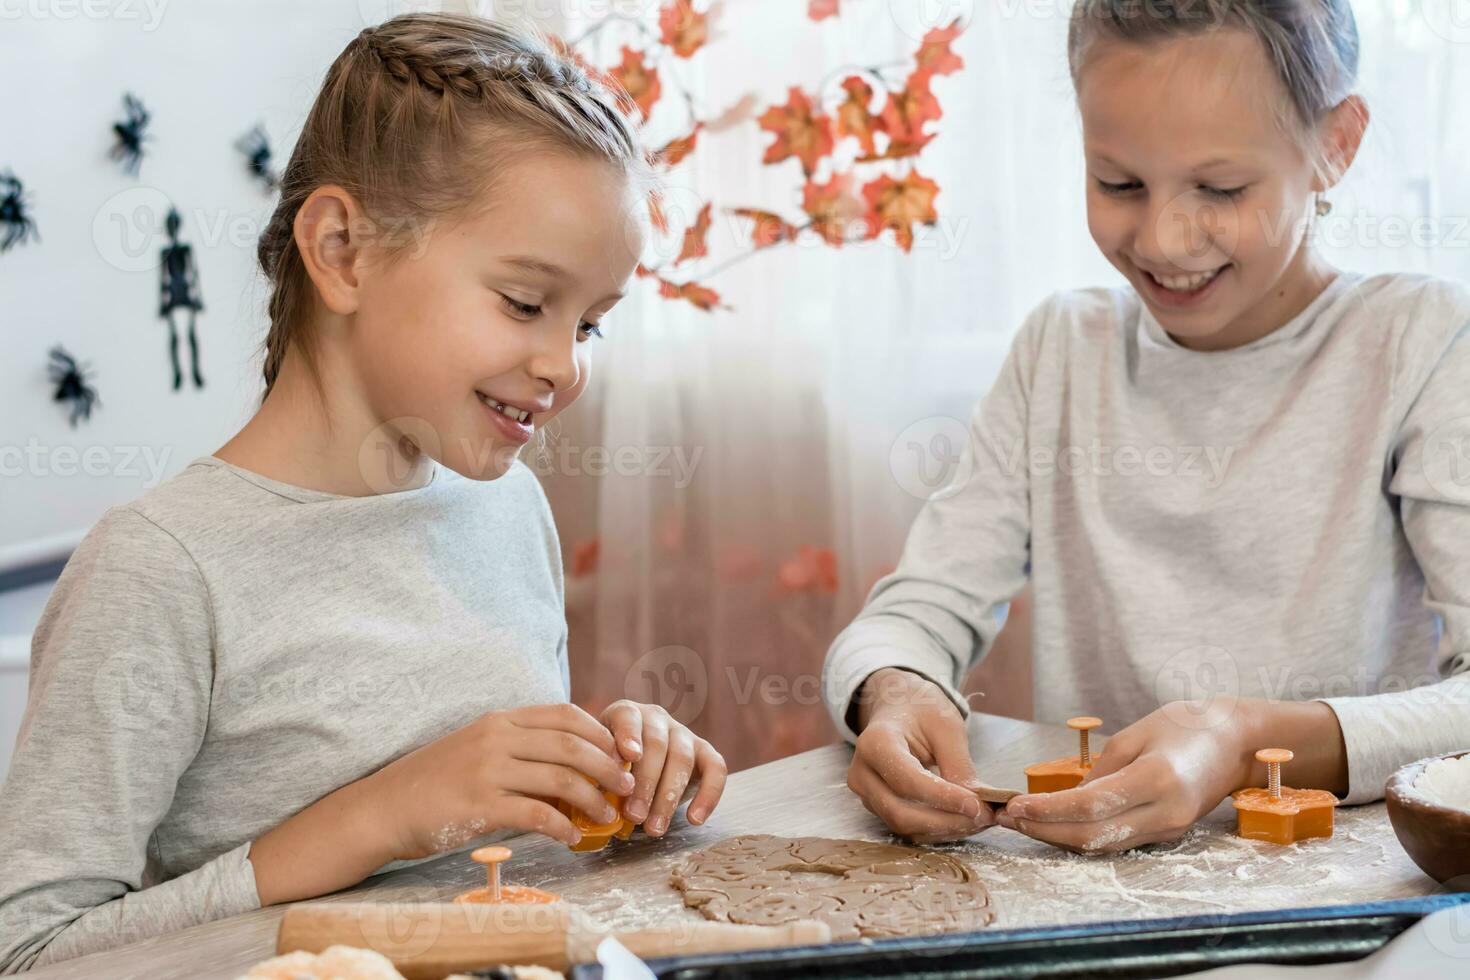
329	232
1342	135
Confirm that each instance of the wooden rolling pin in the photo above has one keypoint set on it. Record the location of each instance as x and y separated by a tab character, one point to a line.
430	940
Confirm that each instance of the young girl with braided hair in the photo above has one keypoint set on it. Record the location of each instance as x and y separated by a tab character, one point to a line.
1238	486
338	642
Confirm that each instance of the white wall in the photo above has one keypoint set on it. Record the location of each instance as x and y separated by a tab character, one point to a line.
207	70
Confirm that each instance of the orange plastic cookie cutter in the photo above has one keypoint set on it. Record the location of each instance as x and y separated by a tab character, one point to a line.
1059	774
494	892
595	835
1280	814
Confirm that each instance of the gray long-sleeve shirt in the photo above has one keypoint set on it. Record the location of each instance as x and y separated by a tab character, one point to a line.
228	649
1289	519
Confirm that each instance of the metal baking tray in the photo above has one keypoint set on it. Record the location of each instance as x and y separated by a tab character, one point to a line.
1112	950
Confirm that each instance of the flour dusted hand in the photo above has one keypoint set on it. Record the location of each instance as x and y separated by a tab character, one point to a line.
668	761
907	725
498	773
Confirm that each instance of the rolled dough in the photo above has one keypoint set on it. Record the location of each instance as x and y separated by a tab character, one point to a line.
859	888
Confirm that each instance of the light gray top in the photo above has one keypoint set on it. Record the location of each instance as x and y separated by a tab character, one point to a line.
228	649
1289	519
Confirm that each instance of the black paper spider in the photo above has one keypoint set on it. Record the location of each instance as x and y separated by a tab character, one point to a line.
73	384
130	135
17	223
257	150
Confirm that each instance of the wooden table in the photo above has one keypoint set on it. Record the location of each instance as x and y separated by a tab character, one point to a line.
1209	872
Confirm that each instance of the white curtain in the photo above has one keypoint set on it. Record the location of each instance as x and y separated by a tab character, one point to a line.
735	481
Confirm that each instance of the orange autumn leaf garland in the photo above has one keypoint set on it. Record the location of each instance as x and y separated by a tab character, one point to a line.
801	132
886	119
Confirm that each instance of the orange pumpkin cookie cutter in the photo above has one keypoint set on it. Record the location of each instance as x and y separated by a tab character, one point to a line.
595	834
1060	774
1280	814
494	893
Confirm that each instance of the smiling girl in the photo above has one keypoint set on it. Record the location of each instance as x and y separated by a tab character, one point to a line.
1315	594
339	642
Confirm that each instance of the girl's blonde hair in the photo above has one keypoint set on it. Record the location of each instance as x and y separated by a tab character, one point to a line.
1313	44
416	119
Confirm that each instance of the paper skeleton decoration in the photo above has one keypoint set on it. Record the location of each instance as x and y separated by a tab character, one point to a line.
73	385
179	289
131	134
257	150
16	225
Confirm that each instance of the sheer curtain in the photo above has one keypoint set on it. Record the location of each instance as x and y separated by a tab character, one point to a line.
736	480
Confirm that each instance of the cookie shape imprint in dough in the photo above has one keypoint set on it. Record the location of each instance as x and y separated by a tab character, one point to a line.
859	888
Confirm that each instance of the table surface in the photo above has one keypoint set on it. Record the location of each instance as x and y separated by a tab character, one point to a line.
1208	872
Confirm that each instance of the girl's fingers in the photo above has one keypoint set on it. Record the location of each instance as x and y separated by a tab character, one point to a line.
565	718
625	720
562	748
678	766
712	775
1101	799
903	817
537	817
648	769
907	778
1141	825
950	743
556	782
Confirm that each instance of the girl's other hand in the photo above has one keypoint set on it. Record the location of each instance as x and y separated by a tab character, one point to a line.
668	761
908	725
1151	782
502	771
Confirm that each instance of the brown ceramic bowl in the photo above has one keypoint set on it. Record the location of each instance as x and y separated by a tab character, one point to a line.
1436	837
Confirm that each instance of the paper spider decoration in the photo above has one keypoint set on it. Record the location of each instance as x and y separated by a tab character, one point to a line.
257	150
14	219
131	134
73	385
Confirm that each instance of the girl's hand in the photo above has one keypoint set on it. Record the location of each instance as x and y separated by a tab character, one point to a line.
1153	780
488	775
668	759
908	725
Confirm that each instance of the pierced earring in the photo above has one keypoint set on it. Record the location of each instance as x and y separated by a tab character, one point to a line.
1324	206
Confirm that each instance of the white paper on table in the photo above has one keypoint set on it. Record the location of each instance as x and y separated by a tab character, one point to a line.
1437	947
619	964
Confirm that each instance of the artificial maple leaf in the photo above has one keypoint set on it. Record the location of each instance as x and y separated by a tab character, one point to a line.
822	9
683	28
832	207
811	570
656	215
800	132
853	116
899	204
909	108
672	153
701	296
935	56
899	149
695	246
770	228
743	109
639	80
585	556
